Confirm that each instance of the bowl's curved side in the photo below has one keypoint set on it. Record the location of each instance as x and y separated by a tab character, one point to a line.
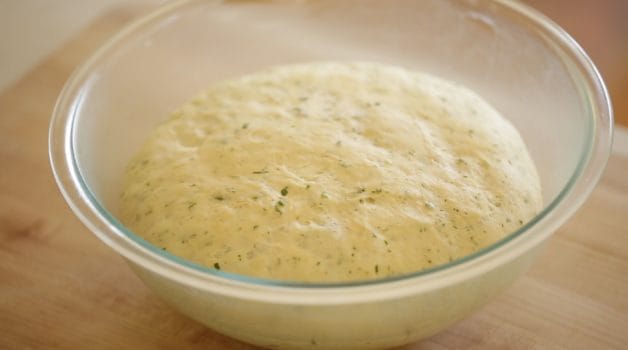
360	325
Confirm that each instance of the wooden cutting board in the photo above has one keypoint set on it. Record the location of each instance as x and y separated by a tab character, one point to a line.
61	288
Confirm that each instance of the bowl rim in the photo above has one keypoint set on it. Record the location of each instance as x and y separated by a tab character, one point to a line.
82	201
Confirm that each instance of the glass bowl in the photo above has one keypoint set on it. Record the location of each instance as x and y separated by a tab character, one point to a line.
517	59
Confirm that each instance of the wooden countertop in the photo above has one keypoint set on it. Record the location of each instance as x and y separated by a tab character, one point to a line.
61	288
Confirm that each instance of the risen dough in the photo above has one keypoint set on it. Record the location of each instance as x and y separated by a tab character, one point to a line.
330	172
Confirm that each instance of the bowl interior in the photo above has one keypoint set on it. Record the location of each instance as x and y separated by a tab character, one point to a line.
137	80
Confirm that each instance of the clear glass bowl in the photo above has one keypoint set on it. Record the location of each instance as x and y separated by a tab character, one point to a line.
517	59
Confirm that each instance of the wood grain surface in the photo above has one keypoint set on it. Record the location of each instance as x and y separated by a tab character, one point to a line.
61	288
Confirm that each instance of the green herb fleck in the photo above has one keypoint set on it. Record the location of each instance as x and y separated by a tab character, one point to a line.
278	207
473	240
217	266
298	111
263	171
219	197
376	268
191	205
284	191
245	125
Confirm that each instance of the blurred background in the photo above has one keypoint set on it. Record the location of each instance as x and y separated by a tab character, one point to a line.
32	29
601	28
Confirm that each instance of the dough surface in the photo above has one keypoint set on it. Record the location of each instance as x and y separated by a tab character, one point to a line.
327	172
